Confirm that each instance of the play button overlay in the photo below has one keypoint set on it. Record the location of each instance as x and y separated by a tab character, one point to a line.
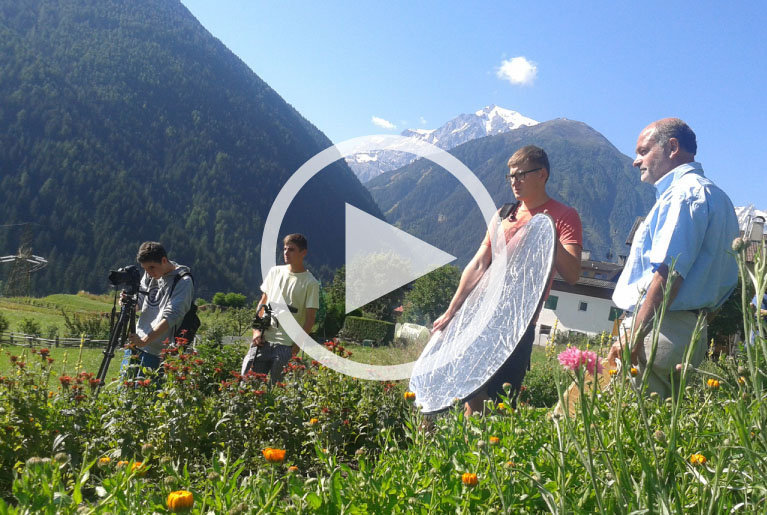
380	258
271	238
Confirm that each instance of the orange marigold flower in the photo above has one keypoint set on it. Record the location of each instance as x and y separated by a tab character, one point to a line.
494	440
122	463
612	372
180	501
633	371
138	468
409	396
274	455
103	462
313	421
712	383
698	459
469	478
292	468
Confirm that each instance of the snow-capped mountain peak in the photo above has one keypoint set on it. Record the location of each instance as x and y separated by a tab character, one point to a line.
488	121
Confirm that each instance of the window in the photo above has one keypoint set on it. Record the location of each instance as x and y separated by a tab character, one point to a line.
614	313
551	302
583	306
545	329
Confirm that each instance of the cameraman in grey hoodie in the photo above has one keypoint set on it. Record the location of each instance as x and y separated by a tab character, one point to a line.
163	301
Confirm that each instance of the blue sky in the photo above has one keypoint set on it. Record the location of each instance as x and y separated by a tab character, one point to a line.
614	65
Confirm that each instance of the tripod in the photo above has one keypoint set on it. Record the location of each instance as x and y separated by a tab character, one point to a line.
118	333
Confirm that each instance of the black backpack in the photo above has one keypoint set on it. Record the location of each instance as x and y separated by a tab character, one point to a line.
191	322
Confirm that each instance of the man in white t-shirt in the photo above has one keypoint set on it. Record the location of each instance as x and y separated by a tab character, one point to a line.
272	349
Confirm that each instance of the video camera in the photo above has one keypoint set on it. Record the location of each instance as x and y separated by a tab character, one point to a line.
127	277
262	323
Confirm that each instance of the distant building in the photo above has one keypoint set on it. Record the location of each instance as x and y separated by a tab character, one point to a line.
585	307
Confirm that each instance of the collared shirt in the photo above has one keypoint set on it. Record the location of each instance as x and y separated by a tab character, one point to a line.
692	224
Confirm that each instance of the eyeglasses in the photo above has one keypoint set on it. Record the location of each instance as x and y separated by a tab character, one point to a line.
520	176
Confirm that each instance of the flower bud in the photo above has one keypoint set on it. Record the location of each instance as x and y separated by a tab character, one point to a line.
481	444
738	244
213	476
147	449
660	436
61	457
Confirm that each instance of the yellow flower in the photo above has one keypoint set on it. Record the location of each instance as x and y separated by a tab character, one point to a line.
501	406
138	468
698	459
469	479
612	372
122	463
103	462
274	455
494	440
409	396
712	383
742	380
314	421
634	371
180	500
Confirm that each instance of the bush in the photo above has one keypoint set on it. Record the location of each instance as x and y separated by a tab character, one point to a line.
235	300
93	326
539	388
3	323
201	302
359	328
30	327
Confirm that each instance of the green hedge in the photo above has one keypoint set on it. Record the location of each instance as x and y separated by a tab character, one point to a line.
360	328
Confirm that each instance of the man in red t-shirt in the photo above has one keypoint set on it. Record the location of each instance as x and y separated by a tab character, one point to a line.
528	172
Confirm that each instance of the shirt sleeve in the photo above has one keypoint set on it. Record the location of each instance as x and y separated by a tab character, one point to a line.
267	284
180	301
679	234
313	295
569	228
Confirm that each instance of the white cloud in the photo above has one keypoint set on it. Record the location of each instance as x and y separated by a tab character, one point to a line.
384	124
518	71
422	120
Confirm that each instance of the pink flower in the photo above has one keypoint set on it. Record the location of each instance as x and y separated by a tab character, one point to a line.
573	358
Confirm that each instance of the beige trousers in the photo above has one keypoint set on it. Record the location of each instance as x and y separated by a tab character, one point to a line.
675	335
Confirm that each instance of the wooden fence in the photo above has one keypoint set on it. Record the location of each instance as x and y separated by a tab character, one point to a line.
28	340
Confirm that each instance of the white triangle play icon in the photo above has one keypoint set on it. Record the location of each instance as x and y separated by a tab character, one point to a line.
381	258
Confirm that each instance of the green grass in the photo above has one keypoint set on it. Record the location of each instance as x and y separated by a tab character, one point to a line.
65	360
47	310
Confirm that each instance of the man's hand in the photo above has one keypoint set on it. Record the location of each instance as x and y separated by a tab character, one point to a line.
136	341
616	352
441	322
258	339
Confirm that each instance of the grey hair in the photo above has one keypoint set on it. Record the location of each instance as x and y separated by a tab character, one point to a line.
675	128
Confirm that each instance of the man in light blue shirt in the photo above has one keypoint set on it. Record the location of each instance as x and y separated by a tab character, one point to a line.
691	226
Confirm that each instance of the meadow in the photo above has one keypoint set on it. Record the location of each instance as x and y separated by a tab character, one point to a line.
206	439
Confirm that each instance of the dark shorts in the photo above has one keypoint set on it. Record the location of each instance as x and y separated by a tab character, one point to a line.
514	369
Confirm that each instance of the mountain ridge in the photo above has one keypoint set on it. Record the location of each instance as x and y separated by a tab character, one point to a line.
456	131
128	121
588	173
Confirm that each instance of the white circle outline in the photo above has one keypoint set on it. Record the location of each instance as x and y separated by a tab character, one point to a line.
316	164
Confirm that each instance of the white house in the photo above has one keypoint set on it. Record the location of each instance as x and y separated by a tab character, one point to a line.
585	307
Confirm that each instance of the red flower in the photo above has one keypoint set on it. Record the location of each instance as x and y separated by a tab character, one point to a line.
44	352
65	381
